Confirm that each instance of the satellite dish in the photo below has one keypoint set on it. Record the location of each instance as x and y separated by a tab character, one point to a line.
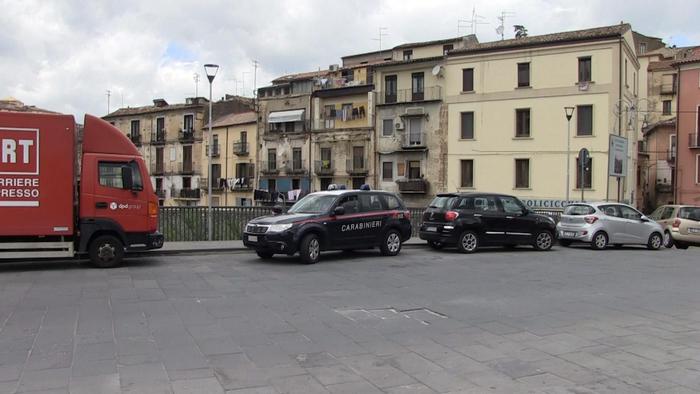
437	70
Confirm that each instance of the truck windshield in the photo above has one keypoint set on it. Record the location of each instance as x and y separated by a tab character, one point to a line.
313	203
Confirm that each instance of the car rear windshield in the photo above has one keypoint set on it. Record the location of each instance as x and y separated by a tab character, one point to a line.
313	203
578	210
442	202
690	213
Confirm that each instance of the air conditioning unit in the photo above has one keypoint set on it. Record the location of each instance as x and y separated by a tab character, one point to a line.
398	124
583	86
415	111
333	67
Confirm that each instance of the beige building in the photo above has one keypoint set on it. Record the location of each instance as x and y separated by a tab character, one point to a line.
234	152
507	126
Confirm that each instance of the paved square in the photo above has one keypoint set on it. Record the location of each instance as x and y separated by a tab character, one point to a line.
566	321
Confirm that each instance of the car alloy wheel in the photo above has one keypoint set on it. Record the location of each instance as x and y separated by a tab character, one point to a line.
468	242
600	241
392	243
314	249
544	241
310	249
655	241
668	240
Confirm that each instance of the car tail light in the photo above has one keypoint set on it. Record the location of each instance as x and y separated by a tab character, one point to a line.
450	216
152	209
591	219
676	223
407	215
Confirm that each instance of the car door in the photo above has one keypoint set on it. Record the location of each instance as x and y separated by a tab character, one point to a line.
373	219
518	226
343	233
614	224
490	217
637	230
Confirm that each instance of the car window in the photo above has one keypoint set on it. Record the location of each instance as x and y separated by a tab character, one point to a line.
371	202
657	214
392	202
690	213
610	210
313	203
667	213
442	202
485	204
578	210
511	205
350	203
465	203
629	213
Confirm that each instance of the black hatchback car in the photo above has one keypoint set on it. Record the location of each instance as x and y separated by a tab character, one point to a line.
332	220
472	220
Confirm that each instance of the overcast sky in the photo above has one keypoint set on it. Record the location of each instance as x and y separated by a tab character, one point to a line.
65	55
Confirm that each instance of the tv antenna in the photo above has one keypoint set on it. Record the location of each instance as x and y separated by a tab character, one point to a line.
109	93
381	34
255	78
476	20
502	20
462	24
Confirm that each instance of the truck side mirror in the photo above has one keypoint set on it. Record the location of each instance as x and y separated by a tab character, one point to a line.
127	178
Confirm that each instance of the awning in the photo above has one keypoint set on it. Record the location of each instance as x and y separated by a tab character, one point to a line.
295	115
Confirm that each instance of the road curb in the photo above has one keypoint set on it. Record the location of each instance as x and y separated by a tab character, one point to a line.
157	252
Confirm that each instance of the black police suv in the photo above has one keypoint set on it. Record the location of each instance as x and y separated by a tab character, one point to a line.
332	220
472	220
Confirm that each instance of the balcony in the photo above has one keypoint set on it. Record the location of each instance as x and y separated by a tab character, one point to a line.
356	166
215	152
242	187
413	140
186	194
671	156
218	185
157	168
298	167
408	96
135	139
664	188
186	168
694	141
324	167
668	88
269	168
241	148
413	186
158	138
160	194
186	135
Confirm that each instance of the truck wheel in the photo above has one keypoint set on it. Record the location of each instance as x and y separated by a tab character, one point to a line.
391	245
468	242
106	251
310	250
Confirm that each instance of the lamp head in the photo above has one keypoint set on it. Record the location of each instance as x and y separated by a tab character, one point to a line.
569	112
211	70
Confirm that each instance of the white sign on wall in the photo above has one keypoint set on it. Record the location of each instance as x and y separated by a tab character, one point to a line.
617	156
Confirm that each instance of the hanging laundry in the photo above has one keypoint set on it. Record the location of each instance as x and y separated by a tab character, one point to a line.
261	195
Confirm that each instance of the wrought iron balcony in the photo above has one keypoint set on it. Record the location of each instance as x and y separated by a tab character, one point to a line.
186	135
413	186
409	96
186	194
186	168
135	138
324	167
297	167
158	138
694	141
356	166
214	152
218	185
157	168
269	168
241	148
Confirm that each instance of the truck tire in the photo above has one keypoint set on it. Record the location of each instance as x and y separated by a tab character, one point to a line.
106	251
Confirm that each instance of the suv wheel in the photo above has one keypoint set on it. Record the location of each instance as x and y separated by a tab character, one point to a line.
106	251
264	254
668	240
437	245
310	250
391	246
655	241
544	241
599	241
468	242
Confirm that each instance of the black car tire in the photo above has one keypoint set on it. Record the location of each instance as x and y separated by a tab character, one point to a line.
565	242
543	241
391	244
437	245
655	242
599	241
468	242
310	250
264	254
680	245
668	239
106	251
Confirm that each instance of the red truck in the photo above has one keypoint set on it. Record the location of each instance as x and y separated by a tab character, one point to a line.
58	202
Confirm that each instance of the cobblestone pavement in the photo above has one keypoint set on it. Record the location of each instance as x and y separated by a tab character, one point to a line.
566	321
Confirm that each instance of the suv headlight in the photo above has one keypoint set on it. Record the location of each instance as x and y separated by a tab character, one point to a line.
278	228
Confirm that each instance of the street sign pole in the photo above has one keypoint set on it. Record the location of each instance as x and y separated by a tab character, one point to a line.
583	156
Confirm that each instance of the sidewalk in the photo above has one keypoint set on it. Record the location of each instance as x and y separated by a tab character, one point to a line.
228	246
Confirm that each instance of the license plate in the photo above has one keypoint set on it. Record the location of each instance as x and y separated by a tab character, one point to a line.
694	230
431	229
569	234
252	238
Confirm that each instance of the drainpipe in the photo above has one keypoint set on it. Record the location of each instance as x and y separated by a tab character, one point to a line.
226	170
674	171
619	118
311	120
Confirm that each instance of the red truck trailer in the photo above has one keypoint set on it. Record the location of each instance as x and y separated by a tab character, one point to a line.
51	205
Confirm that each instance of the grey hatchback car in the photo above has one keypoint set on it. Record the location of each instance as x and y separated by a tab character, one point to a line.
604	223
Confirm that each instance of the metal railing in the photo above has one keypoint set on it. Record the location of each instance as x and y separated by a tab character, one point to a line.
135	139
297	167
186	168
186	135
413	186
217	185
158	138
324	167
356	166
214	152
241	148
409	96
694	140
413	140
269	167
188	193
158	168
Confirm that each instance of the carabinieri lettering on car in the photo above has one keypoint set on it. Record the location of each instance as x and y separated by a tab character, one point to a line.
361	226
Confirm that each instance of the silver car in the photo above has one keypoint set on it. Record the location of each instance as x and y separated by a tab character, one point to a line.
605	223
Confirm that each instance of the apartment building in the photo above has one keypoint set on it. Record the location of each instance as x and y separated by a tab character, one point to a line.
233	151
508	130
687	185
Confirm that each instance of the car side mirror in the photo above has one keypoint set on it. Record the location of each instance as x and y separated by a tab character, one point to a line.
277	209
644	219
127	178
339	211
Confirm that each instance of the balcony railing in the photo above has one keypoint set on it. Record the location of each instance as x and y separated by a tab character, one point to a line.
324	167
413	186
214	152
157	168
241	148
186	135
218	185
269	167
186	194
186	168
694	141
356	166
409	96
246	186
297	167
158	138
414	140
668	88
160	194
135	139
671	156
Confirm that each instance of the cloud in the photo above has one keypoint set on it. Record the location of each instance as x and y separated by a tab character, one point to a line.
65	55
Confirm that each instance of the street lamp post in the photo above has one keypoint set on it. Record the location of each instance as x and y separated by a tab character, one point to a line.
210	70
569	111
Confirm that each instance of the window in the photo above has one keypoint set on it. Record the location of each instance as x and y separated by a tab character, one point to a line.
415	128
357	183
390	89
512	205
667	213
414	169
584	120
467	167
522	122
371	202
110	174
401	169
468	80
188	123
358	157
523	74
408	54
289	127
326	159
584	69
387	127
272	185
296	159
346	112
485	204
215	174
187	182
295	184
467	120
587	174
388	171
159	159
667	107
642	48
392	202
135	128
160	128
446	48
272	159
417	86
325	182
522	173
629	213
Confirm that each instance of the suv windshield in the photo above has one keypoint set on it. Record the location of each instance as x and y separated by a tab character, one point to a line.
313	203
444	202
690	213
578	210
